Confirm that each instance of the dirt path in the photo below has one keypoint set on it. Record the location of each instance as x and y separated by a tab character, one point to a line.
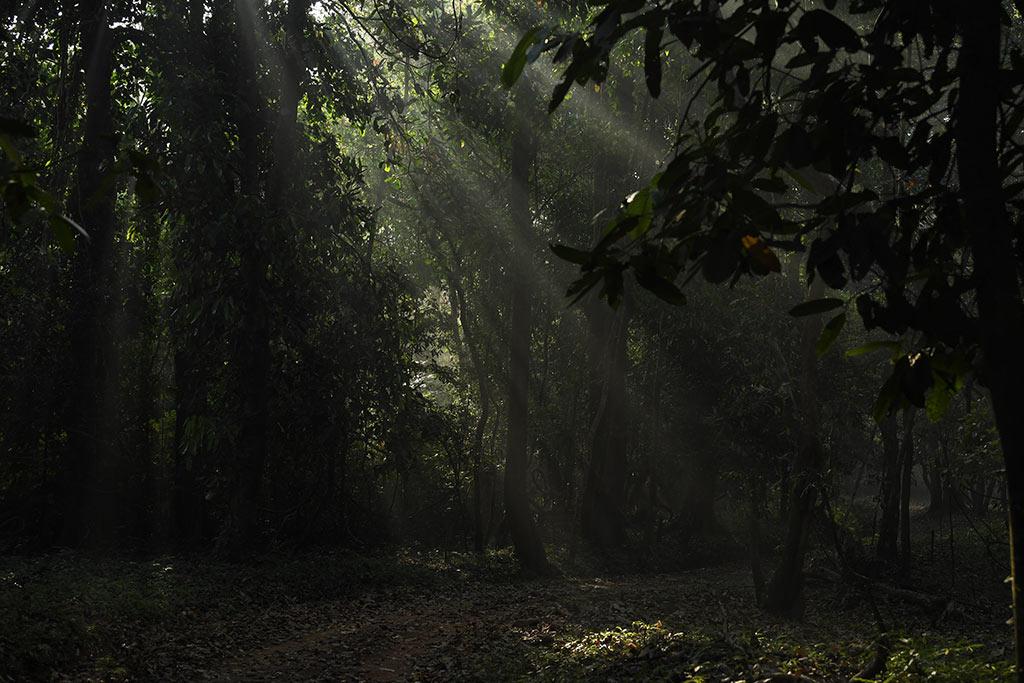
394	638
424	636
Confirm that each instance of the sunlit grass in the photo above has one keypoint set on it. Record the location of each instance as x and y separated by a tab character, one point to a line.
694	653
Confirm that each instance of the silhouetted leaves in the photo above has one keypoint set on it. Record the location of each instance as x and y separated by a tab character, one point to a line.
816	306
827	26
16	128
570	254
513	68
830	333
652	60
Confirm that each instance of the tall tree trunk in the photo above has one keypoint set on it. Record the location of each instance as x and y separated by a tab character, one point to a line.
252	343
525	538
194	358
142	495
483	395
1001	310
602	513
90	417
604	494
783	592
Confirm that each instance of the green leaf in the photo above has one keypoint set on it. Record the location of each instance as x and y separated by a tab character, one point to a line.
513	68
871	347
578	289
801	180
816	306
559	92
10	151
949	374
41	197
937	401
577	256
888	395
830	333
640	206
664	289
774	185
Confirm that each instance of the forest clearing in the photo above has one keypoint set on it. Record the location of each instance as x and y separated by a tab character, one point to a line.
512	339
414	616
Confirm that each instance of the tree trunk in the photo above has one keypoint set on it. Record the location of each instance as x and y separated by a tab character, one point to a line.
525	538
252	343
906	472
758	494
142	495
604	495
888	528
701	493
90	418
476	358
653	446
1001	310
782	595
935	480
190	456
604	499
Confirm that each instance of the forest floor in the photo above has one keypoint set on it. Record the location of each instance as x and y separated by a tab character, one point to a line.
403	615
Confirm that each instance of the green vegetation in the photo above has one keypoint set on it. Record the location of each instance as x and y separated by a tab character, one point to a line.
462	339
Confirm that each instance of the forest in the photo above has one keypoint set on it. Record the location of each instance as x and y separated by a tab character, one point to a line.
481	340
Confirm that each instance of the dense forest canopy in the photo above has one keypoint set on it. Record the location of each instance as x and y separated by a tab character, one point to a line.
630	288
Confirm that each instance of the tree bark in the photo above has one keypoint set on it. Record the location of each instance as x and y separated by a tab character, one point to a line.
190	402
527	543
938	491
90	416
252	343
1000	307
194	358
783	592
476	358
888	528
906	472
603	519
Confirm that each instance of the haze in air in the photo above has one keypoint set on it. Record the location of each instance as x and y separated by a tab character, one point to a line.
456	340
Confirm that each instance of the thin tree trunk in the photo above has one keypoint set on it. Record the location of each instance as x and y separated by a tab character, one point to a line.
938	491
888	528
906	472
654	438
484	397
